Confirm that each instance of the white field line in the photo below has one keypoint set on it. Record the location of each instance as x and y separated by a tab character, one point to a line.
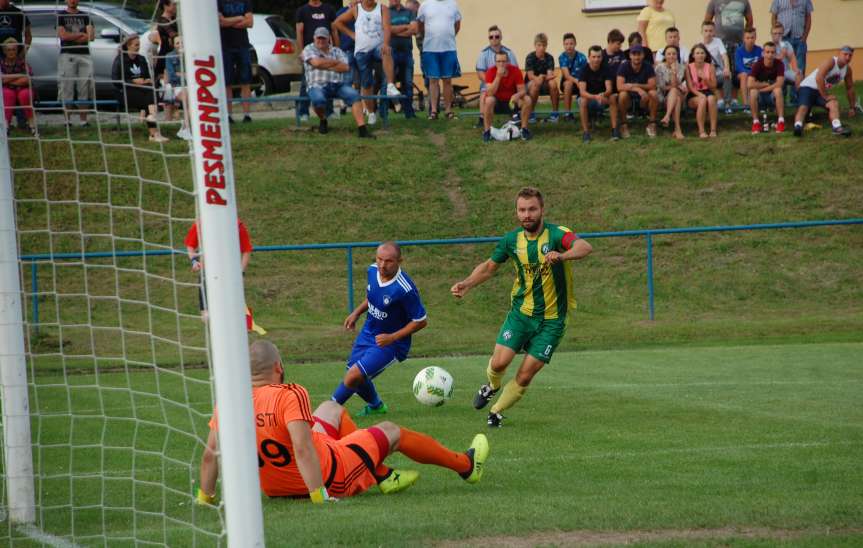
680	450
34	533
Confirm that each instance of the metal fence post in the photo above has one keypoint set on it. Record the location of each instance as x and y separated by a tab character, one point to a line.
350	279
649	239
34	287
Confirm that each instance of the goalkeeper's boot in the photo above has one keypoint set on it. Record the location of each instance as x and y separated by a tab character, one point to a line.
369	411
478	453
398	480
495	420
483	396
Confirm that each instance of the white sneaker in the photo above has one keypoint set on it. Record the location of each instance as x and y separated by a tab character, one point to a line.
304	118
184	134
150	118
158	138
720	104
373	118
392	90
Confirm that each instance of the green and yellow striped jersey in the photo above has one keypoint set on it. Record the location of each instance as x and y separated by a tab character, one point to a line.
540	290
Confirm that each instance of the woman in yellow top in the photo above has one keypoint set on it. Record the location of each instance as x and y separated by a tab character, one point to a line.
652	22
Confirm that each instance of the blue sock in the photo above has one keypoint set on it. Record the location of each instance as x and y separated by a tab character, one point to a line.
369	393
342	394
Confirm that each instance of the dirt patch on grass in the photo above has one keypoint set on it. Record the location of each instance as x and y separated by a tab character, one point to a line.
603	538
452	181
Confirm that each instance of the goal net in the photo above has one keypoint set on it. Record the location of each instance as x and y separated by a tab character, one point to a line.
110	374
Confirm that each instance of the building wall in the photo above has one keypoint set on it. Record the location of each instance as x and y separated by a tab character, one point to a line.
834	23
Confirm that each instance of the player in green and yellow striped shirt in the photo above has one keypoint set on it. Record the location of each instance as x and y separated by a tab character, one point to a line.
542	298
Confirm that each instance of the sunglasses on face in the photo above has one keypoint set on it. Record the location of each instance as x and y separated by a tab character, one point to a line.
494	36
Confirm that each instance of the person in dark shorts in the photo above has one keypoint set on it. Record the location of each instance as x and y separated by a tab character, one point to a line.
505	91
594	93
235	18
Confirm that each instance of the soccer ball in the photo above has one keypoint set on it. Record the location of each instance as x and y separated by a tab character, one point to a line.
433	386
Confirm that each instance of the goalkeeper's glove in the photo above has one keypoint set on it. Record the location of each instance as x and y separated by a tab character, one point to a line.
320	496
204	499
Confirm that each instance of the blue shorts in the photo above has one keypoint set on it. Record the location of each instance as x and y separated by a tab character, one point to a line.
439	65
594	107
238	66
319	95
808	97
365	61
372	359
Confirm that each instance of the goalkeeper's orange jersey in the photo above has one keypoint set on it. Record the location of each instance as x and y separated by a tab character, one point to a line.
276	405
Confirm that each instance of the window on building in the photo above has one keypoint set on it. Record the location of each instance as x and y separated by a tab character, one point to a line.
612	5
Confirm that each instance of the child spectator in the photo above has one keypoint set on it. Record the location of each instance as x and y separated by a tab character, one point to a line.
571	62
721	62
175	91
540	80
745	57
16	83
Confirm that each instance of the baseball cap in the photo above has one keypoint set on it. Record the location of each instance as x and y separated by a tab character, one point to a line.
847	49
322	32
636	48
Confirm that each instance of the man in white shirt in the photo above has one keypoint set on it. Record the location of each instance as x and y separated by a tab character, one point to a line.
719	53
439	22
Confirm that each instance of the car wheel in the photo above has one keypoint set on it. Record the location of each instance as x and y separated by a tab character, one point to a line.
264	84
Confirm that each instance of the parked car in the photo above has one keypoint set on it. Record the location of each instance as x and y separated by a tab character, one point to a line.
279	62
110	22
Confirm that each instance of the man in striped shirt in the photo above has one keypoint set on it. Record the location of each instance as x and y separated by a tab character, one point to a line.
542	298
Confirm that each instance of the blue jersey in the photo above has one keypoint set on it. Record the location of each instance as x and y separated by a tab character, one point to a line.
392	305
575	64
743	60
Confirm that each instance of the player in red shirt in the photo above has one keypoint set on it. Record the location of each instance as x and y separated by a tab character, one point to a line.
505	90
323	454
192	250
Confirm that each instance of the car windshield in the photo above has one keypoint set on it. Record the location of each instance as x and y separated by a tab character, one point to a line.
281	28
136	20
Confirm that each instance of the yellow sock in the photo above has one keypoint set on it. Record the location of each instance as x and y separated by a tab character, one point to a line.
494	377
512	392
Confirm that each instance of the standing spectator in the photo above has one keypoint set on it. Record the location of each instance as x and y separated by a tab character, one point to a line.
439	22
671	87
175	77
731	18
636	81
505	92
785	53
235	18
138	92
595	93
371	34
346	44
14	24
166	30
16	83
672	38
309	17
719	54
75	67
701	83
325	66
635	38
571	62
539	75
613	56
652	22
486	60
195	254
796	19
765	85
403	29
815	91
744	58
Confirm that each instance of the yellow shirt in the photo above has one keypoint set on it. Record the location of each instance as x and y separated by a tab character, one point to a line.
657	23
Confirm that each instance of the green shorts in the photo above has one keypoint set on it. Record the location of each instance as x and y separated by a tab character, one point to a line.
536	336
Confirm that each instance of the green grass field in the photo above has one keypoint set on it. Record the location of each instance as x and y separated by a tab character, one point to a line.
740	445
733	419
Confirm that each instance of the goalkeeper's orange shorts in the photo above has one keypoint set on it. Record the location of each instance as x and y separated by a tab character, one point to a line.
357	456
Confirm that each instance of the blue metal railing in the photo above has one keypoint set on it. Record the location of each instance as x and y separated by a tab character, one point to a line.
349	247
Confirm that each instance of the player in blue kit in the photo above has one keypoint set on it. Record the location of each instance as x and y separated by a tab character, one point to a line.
395	312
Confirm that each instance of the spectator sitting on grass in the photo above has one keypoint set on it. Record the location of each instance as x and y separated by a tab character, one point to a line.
745	57
540	80
636	81
701	83
766	81
594	93
671	88
504	93
325	67
571	62
815	91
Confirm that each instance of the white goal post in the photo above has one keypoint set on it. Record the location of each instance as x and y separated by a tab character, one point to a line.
217	209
